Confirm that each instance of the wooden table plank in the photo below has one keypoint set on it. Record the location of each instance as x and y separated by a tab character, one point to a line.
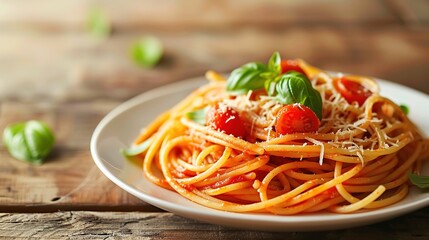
69	179
77	68
172	15
106	225
72	122
74	105
412	13
70	182
52	69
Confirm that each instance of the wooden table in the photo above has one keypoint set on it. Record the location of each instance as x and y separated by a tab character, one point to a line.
52	69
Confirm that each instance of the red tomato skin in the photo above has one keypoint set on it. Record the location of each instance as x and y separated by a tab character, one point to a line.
296	118
291	65
352	91
225	119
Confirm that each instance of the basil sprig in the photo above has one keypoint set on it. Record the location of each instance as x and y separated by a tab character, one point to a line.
288	88
294	87
246	78
275	64
29	141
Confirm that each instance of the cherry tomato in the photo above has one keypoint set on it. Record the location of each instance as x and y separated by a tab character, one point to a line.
296	118
291	65
352	91
225	119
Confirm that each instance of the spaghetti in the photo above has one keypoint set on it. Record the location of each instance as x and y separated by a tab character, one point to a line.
358	157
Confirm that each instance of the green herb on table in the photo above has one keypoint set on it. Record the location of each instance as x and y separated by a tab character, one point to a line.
30	141
98	23
147	52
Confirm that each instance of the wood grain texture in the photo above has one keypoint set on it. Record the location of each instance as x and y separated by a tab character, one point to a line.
52	69
69	179
363	37
412	13
77	68
71	80
174	15
138	225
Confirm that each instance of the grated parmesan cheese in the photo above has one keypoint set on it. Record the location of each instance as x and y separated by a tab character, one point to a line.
322	148
352	128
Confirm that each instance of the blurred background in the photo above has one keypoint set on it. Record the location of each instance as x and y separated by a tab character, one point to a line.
70	62
80	49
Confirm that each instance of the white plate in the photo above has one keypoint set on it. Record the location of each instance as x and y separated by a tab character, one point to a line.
120	127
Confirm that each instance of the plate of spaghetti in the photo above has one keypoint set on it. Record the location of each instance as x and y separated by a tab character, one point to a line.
281	146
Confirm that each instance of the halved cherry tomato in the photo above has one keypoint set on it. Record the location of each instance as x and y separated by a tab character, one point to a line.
352	91
225	119
291	65
296	118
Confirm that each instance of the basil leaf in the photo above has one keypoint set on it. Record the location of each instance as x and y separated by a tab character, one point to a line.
405	109
147	52
294	87
419	181
31	141
270	85
274	64
198	116
136	150
98	23
246	78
